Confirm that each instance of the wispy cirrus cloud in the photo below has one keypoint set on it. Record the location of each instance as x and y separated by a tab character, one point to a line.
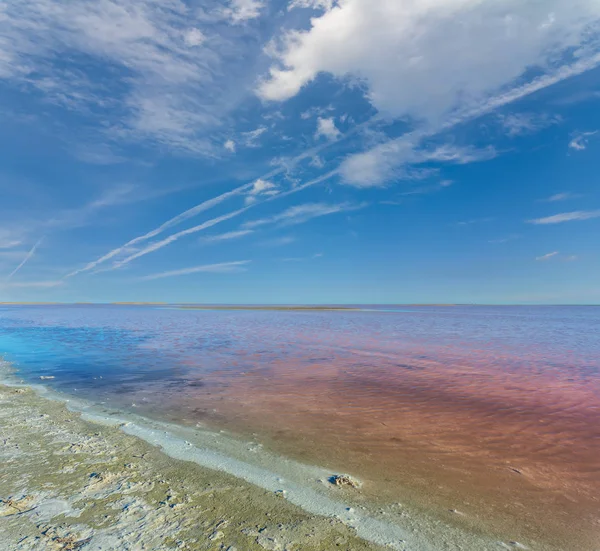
563	196
8	239
302	213
228	236
313	4
222	268
547	256
240	11
519	124
175	237
402	158
144	71
491	66
261	188
252	138
581	141
172	222
556	256
566	217
27	258
126	249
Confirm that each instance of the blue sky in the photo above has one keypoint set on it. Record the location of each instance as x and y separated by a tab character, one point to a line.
308	151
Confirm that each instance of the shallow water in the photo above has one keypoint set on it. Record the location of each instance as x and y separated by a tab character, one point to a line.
486	416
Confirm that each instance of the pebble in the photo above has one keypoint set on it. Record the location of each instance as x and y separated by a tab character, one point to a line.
218	535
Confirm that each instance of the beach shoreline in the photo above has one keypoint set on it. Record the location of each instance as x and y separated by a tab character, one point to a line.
70	483
68	434
271	479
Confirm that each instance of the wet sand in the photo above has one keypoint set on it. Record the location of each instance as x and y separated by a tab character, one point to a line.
93	482
70	484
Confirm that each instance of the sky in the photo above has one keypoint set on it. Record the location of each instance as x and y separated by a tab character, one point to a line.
300	151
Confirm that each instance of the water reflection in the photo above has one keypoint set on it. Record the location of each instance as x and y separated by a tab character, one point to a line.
493	411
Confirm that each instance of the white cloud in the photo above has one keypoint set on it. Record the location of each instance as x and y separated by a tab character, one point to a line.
547	256
230	146
519	124
141	69
567	217
223	268
8	240
302	213
251	139
312	4
326	128
381	163
226	236
580	142
396	159
194	37
427	59
565	196
244	10
261	188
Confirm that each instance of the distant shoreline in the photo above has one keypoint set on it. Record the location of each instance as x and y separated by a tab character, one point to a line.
272	307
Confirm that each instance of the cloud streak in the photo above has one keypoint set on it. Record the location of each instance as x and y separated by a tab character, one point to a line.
184	216
176	220
580	142
171	76
566	217
25	260
176	236
547	256
376	166
302	213
226	236
564	196
223	268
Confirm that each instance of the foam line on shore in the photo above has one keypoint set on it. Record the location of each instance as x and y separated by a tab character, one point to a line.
310	500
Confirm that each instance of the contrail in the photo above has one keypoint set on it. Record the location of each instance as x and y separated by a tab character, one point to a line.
168	224
210	223
515	94
25	260
219	199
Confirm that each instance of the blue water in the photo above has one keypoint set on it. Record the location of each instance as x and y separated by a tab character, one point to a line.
135	344
416	387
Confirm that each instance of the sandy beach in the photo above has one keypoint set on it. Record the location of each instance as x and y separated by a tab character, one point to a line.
70	484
